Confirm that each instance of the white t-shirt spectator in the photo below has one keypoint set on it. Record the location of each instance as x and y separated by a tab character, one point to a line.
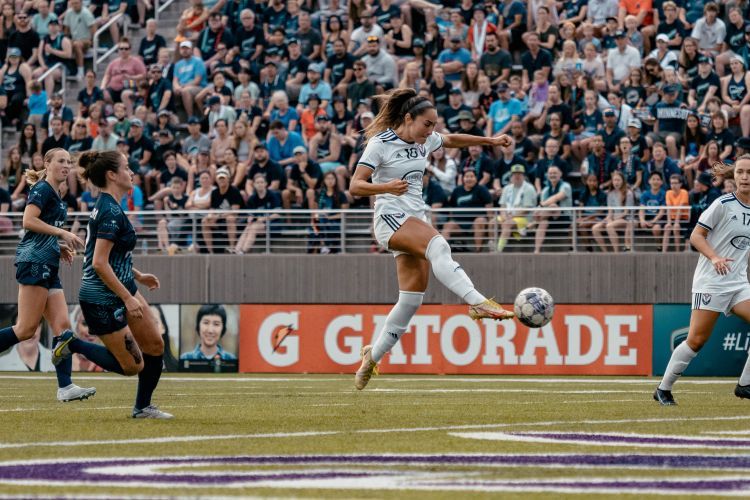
622	62
79	23
517	199
381	68
359	35
709	36
668	61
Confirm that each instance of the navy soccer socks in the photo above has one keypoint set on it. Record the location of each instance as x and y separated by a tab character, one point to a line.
148	379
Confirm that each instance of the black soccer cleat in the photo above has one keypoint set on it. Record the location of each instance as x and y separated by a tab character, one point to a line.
665	398
742	391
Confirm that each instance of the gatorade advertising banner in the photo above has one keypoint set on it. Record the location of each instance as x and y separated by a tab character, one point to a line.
580	340
723	355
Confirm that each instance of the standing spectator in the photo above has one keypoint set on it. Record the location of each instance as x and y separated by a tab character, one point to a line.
151	43
224	197
189	77
675	197
518	197
80	25
710	31
15	75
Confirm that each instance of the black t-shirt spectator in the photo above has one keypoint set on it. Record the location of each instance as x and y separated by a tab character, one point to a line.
502	168
338	67
225	201
80	145
451	117
272	172
383	16
298	65
672	30
563	110
483	164
735	37
248	41
540	171
525	148
312	169
671	117
358	91
156	94
341	122
478	197
87	99
51	143
275	19
638	147
5	199
440	94
208	40
701	85
724	138
433	193
149	50
611	139
269	202
562	140
167	176
26	41
308	41
530	63
494	64
137	148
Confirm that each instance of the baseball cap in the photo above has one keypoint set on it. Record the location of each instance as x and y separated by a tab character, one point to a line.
671	88
299	149
661	37
704	59
368	114
14	52
222	172
155	67
456	39
610	112
135	122
417	42
619	34
634	122
291	41
502	87
214	99
455	90
193	120
517	169
186	43
164	112
313	96
317	68
705	179
466	115
743	142
322	118
122	140
54	21
611	18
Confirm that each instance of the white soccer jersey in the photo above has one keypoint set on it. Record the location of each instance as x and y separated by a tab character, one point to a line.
728	223
393	158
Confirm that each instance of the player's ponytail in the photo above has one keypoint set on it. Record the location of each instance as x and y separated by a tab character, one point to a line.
394	106
94	165
34	176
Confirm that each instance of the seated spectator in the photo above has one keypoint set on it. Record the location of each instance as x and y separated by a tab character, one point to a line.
224	197
282	143
382	69
503	112
171	227
629	166
279	109
90	94
638	144
535	59
12	74
557	193
325	148
598	163
704	86
192	21
315	86
652	219
25	39
41	20
590	122
79	138
189	77
443	169
671	25
214	35
675	197
150	45
80	25
221	141
620	61
662	163
58	138
482	165
37	103
455	107
710	31
262	198
54	48
618	218
122	76
199	197
398	40
735	92
551	157
304	179
469	194
518	197
106	140
712	156
216	111
611	133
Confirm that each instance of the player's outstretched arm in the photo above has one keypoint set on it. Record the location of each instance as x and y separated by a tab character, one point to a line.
466	140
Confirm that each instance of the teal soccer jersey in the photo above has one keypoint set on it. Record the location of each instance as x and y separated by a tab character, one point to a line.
108	222
43	248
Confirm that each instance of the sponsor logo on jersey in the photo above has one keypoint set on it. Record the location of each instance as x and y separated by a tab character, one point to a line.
413	176
740	242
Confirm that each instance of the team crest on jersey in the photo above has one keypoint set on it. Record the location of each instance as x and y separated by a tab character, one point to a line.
119	314
740	242
705	298
421	149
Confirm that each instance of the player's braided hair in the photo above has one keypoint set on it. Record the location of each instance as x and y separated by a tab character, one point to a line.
394	106
94	165
724	170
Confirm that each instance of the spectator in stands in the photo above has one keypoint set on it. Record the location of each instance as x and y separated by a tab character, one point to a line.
37	103
220	141
272	171
595	200
551	157
703	194
381	67
79	140
719	133
629	165
171	225
662	163
151	44
518	197
199	197
90	94
676	196
282	143
15	76
261	198
469	194
703	86
512	22
80	26
40	21
358	45
557	193
652	219
315	85
339	71
325	229
25	39
618	218
710	31
56	109
735	92
478	161
106	140
54	48
325	148
503	112
57	138
694	146
304	179
611	133
210	38
122	75
534	59
443	168
224	197
189	77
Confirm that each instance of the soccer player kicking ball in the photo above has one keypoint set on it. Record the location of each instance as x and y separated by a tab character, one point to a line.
720	281
398	143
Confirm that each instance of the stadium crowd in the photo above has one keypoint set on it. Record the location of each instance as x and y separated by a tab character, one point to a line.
262	105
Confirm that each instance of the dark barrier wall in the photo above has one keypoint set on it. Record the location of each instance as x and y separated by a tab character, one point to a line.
352	279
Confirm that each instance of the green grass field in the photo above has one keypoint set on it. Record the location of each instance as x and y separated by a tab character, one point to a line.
403	437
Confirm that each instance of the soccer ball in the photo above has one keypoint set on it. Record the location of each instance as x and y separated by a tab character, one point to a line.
534	307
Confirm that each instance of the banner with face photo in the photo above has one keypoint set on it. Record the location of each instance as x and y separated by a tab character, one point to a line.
209	337
31	355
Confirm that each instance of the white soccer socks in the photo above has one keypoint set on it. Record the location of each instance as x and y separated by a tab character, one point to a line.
396	323
681	358
450	273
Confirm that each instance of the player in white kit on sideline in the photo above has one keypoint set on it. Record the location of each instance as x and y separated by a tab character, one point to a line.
720	285
399	141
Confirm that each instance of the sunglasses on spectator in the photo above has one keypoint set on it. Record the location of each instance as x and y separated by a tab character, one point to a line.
82	125
124	47
22	16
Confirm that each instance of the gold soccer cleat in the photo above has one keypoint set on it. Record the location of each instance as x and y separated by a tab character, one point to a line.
366	370
489	309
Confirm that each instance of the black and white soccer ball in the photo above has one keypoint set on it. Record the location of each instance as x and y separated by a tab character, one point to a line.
534	307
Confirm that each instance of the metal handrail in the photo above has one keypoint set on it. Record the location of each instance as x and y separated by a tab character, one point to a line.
161	7
100	59
49	71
